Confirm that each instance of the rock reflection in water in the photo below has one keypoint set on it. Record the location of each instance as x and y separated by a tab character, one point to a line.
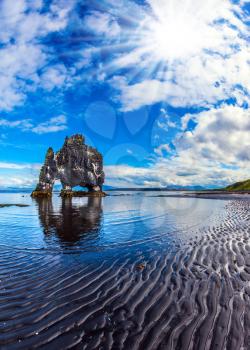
73	222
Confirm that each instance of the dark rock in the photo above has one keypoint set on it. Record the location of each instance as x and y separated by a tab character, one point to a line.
14	205
75	164
47	176
70	194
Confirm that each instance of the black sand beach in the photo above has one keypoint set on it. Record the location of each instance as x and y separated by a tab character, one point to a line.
161	292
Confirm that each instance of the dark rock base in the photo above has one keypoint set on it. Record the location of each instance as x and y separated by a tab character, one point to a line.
41	194
70	194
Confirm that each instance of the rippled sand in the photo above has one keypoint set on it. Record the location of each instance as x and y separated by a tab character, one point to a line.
191	294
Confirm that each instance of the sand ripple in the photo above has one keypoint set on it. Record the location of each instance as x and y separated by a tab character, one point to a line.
193	296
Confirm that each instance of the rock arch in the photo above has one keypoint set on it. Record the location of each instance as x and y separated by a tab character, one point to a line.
75	164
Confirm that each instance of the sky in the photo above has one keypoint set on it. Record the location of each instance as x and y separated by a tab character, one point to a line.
160	87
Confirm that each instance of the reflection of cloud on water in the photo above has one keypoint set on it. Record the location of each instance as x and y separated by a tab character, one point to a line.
71	222
127	220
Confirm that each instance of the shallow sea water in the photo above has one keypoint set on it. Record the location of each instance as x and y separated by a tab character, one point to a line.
134	270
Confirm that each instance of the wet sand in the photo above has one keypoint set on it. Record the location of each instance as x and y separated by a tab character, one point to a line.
223	195
194	296
11	205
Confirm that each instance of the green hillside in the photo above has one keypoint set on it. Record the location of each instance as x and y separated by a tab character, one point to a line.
239	186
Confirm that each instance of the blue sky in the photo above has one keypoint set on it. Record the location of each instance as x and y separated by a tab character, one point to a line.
160	87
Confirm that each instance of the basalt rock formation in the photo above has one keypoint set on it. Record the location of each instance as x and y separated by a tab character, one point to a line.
75	164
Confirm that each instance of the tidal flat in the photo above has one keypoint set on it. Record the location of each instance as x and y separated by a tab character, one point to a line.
133	270
4	205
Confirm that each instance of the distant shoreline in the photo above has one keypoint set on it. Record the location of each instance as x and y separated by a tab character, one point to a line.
213	193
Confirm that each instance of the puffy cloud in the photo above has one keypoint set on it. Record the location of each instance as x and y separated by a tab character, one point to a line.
54	124
23	54
161	149
22	124
221	135
55	77
149	92
214	154
192	84
185	54
174	173
101	23
20	181
18	174
18	166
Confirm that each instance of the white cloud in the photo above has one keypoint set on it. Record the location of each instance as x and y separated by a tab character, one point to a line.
19	166
102	23
188	53
18	174
54	124
149	92
55	77
22	28
164	121
22	124
221	135
84	58
161	149
17	181
214	154
173	173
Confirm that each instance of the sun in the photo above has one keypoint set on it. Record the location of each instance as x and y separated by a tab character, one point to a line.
170	38
163	36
